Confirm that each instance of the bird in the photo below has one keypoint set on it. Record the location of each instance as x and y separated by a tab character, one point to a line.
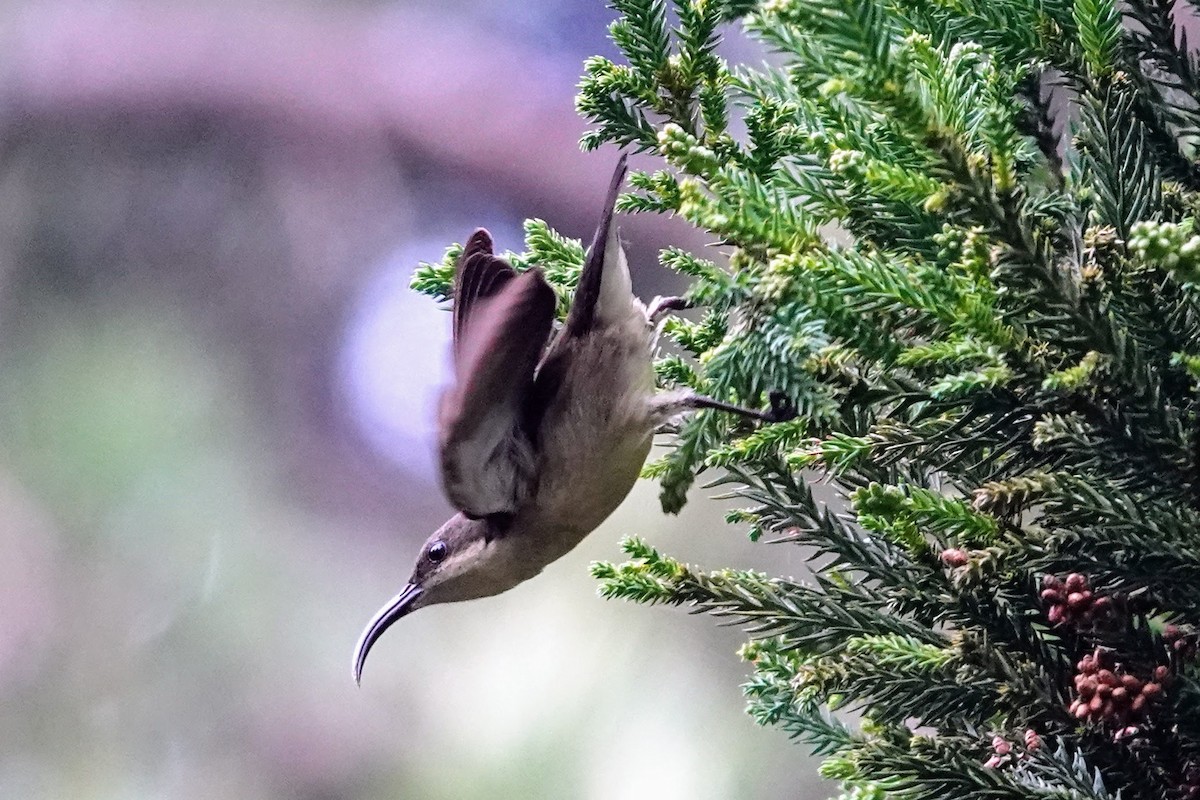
541	434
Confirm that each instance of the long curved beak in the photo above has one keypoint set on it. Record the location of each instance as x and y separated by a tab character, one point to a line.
396	608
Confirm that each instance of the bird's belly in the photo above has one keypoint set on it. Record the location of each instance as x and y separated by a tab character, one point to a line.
597	434
591	488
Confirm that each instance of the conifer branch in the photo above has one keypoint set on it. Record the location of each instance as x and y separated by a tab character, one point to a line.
986	313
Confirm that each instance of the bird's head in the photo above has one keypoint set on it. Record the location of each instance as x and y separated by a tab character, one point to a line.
460	561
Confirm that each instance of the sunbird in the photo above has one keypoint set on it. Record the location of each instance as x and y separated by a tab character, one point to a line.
541	435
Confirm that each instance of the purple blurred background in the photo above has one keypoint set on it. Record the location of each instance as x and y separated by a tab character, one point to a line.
216	427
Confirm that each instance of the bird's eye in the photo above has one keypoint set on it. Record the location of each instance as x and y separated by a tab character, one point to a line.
437	552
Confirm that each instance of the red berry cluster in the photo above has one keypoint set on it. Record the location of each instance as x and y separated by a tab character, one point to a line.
1110	696
1071	601
1182	641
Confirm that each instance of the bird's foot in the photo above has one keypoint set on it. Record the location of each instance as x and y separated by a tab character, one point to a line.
673	403
661	306
782	408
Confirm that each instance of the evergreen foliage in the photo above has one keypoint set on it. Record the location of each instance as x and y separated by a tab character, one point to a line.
960	236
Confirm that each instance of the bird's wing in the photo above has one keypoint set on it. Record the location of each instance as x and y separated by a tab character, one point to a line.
502	321
478	275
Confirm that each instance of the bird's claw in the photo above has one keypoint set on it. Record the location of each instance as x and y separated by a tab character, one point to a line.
660	306
782	408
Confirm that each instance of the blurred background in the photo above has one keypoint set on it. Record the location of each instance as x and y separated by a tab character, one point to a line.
216	394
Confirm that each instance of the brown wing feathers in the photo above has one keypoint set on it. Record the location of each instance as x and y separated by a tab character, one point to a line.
478	276
501	323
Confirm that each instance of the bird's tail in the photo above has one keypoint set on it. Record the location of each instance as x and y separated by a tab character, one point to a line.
605	290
